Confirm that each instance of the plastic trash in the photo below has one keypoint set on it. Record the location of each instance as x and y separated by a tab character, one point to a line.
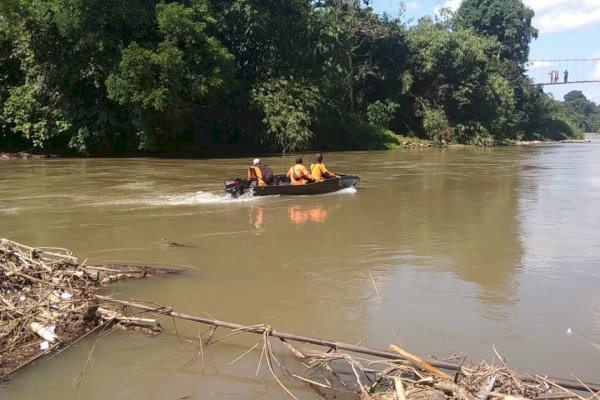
44	345
46	333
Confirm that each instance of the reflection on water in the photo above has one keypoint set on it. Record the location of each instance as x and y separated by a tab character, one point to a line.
257	217
299	214
467	247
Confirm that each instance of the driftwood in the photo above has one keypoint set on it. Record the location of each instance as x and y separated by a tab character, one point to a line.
422	372
419	363
47	301
174	244
148	326
109	273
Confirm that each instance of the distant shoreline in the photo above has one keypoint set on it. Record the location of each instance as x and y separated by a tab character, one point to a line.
542	142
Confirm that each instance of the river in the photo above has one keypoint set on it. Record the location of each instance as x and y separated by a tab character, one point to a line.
443	251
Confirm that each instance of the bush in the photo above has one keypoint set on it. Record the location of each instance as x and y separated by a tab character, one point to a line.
381	114
348	133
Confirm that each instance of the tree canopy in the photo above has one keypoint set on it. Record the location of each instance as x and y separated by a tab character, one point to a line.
106	76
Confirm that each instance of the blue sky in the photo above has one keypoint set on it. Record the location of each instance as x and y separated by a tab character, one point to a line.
568	29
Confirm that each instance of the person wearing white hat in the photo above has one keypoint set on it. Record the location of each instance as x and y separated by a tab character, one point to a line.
255	171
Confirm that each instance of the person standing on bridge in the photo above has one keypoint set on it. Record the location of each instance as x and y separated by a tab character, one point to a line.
566	76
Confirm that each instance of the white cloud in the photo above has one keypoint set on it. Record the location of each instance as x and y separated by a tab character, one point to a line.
540	64
451	4
595	74
592	93
412	6
552	16
541	6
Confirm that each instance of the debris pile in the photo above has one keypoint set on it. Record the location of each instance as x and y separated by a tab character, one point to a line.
46	298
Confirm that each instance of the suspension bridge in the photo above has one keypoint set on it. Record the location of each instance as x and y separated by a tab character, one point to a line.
564	72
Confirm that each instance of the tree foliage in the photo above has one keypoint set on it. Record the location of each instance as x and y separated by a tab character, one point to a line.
584	112
506	21
98	76
166	84
289	111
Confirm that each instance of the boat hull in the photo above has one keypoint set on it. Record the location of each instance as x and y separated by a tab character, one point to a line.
282	186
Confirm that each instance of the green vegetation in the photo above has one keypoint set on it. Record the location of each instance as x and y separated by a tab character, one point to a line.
107	76
585	113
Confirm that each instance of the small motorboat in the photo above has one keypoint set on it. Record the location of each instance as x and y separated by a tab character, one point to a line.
281	186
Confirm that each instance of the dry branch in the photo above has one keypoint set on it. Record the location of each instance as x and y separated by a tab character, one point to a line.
469	380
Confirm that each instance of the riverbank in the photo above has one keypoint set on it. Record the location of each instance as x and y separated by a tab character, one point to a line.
398	142
22	155
543	142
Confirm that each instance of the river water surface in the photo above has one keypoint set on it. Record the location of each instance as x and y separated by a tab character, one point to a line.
468	248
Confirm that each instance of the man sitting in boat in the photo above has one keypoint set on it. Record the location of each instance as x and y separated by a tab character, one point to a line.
299	175
255	171
318	170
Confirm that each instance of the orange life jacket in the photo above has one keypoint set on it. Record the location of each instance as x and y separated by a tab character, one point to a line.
299	175
319	171
255	171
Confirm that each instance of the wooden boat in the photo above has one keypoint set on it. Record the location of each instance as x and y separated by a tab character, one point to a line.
281	186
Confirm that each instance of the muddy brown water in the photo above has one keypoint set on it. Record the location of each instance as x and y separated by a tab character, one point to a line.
467	248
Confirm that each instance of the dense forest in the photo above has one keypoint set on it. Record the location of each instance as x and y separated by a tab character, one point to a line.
109	77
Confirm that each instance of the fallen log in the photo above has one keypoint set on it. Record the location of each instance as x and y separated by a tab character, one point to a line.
262	330
110	273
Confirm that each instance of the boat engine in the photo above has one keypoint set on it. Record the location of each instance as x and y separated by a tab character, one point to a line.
236	186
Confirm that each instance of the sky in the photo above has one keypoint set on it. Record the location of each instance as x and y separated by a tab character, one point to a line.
568	29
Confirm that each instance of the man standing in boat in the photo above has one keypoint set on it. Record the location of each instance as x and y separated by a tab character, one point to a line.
255	171
318	170
298	174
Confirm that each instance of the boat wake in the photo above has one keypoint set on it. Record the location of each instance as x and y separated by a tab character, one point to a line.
194	198
349	190
10	211
197	198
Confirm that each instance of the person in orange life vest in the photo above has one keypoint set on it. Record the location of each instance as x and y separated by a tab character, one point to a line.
298	174
254	171
319	170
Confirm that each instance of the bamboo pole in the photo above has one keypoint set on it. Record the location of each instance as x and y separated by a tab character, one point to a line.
418	362
566	383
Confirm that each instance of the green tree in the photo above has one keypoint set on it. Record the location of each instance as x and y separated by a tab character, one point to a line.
455	90
507	21
381	114
167	85
547	118
66	49
10	77
595	120
289	111
580	109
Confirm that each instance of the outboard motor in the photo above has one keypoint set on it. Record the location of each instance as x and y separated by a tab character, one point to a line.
236	186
